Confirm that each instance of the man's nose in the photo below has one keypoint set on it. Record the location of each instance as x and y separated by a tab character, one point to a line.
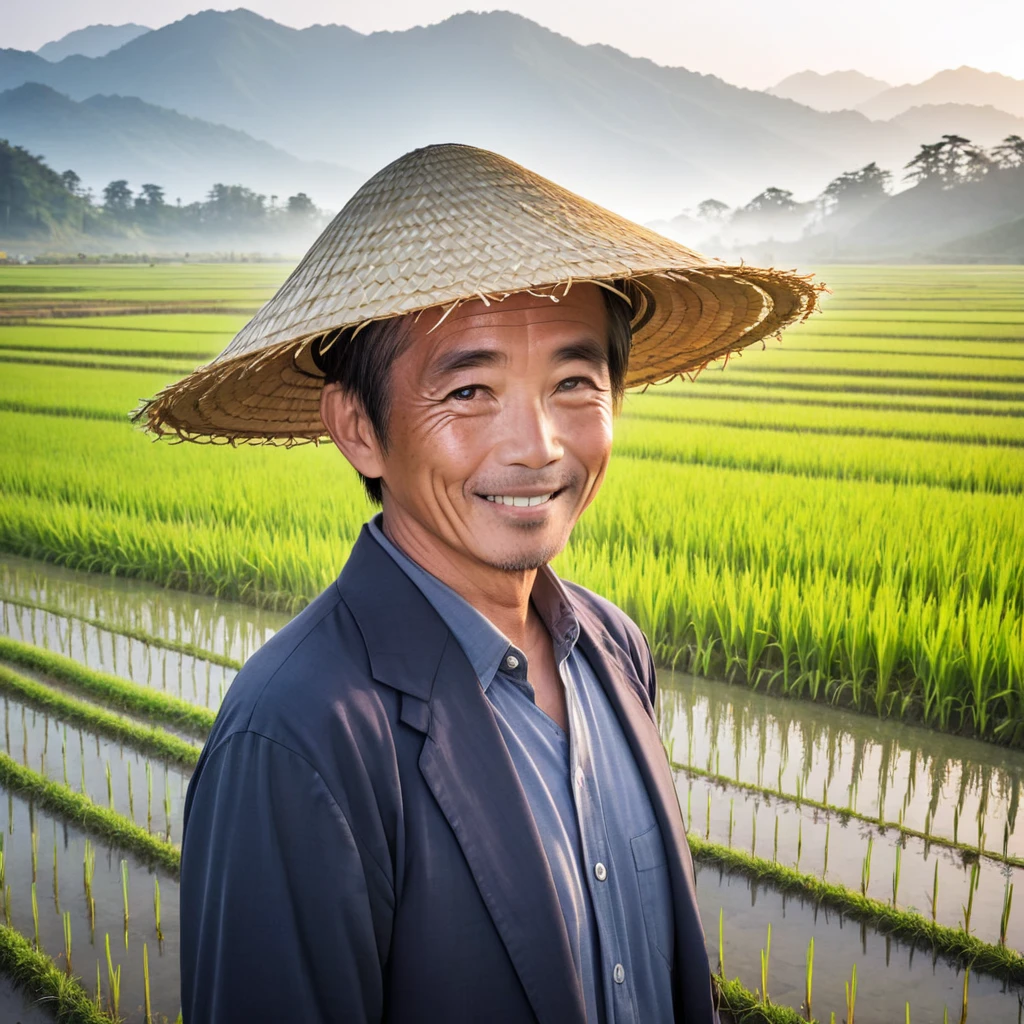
531	434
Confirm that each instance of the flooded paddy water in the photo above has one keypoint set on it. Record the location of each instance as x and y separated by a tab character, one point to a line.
768	756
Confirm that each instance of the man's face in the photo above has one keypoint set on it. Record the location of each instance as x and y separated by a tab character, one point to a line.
501	427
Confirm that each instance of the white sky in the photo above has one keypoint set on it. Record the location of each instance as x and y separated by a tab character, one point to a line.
747	42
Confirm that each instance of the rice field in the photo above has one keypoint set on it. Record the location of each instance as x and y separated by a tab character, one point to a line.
834	525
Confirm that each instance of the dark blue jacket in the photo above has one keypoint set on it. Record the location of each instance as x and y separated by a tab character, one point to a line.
356	843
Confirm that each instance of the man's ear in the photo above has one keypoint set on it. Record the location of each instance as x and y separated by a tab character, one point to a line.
351	430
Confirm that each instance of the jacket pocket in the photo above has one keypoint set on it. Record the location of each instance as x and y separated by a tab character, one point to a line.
655	890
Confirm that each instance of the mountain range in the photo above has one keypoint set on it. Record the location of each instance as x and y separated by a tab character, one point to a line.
107	137
641	138
232	97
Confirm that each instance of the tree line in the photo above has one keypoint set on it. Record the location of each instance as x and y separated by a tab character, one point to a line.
951	162
37	201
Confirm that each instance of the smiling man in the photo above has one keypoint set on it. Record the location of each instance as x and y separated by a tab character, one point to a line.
439	793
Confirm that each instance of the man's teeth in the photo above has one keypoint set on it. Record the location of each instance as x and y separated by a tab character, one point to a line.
518	501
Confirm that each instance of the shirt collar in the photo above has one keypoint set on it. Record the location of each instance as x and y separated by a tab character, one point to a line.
486	647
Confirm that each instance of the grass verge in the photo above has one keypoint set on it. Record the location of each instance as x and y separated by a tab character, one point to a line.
178	646
36	972
955	943
846	812
79	810
744	1006
112	690
151	740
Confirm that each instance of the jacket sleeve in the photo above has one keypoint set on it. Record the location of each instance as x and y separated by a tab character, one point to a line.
283	916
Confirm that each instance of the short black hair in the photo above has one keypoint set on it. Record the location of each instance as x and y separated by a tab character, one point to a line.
362	364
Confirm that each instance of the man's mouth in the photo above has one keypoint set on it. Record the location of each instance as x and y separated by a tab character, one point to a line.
521	500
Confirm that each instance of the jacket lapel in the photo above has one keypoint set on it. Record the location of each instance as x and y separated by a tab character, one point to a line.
467	767
692	979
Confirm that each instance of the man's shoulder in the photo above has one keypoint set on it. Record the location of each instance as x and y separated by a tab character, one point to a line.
312	669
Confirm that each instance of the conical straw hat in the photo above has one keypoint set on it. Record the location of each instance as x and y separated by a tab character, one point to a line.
447	224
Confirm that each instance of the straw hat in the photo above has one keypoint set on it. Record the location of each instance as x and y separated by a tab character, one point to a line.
447	224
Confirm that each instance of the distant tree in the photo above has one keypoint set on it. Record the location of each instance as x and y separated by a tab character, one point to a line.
926	167
1009	152
117	196
72	182
951	162
234	205
712	209
151	196
853	190
771	200
301	207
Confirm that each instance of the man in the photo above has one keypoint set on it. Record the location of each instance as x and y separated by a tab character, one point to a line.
439	793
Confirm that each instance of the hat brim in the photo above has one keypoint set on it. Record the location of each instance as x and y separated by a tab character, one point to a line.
691	317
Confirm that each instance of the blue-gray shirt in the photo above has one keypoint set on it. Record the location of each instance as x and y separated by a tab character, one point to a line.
595	819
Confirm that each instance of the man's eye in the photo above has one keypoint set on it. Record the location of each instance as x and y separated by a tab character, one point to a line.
571	383
466	393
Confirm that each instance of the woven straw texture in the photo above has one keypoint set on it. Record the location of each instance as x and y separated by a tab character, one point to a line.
447	224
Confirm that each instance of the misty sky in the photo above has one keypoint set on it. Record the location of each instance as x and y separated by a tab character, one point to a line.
747	42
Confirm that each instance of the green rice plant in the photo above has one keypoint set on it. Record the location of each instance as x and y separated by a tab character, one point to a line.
971	889
851	995
124	891
160	933
35	851
775	847
765	953
935	891
64	755
35	916
7	905
721	942
828	829
110	788
865	869
799	841
147	1006
67	942
732	803
113	981
907	1015
1004	917
896	873
99	989
707	818
809	978
963	1005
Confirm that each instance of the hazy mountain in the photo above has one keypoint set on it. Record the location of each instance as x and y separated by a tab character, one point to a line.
639	137
984	126
838	90
964	85
108	137
91	41
1004	242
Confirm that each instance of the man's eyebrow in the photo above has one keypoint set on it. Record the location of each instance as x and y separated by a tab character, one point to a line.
464	359
588	349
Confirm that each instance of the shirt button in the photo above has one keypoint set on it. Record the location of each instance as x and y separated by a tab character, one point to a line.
512	661
601	871
619	974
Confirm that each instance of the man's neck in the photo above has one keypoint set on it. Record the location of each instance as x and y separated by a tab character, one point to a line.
501	596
